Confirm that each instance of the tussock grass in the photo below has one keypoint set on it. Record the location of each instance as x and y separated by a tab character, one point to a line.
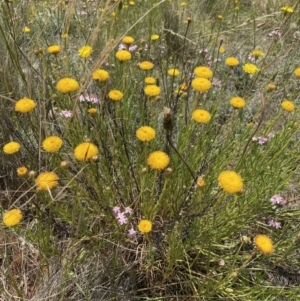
74	242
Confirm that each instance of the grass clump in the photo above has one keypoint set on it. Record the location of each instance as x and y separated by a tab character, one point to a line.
149	150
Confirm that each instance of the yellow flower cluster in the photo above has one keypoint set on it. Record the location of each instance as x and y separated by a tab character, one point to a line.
100	75
237	102
257	53
54	49
158	160
52	144
250	68
154	37
85	51
264	243
150	80
287	9
232	61
85	151
201	84
201	116
46	180
11	147
152	90
25	105
12	217
145	226
123	55
128	40
230	181
203	72
297	72
67	85
287	105
146	65
145	133
22	171
115	95
173	72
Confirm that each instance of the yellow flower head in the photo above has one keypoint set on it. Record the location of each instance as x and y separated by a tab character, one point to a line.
52	144
158	160
257	53
203	72
150	80
46	180
128	40
201	116
250	68
232	61
25	105
11	148
92	111
264	243
201	84
287	105
154	37
85	51
123	55
271	87
26	29
237	102
145	133
115	95
152	90
67	85
100	75
146	65
22	171
85	151
145	226
222	49
12	217
287	9
173	72
297	72
54	49
200	182
230	181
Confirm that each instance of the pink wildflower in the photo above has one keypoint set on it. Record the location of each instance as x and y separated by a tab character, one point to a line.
122	219
274	224
66	113
122	47
116	210
131	232
89	98
277	200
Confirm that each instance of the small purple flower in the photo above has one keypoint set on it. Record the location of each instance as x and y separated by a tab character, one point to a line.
133	48
131	232
89	98
66	113
122	47
127	210
275	32
251	58
277	200
122	219
261	140
274	224
203	51
116	210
